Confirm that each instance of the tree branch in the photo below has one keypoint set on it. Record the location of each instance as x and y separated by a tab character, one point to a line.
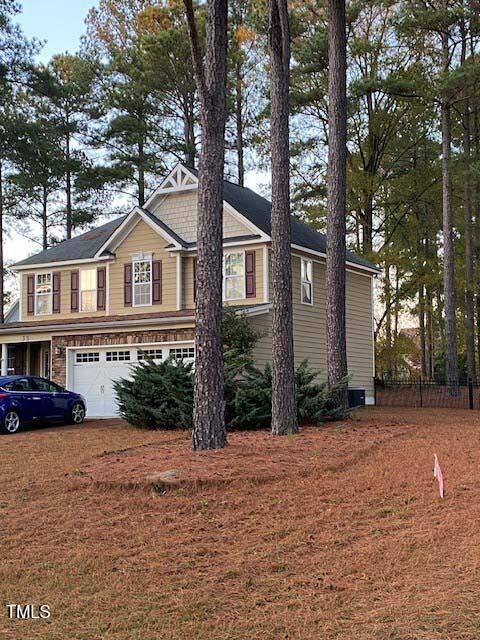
196	50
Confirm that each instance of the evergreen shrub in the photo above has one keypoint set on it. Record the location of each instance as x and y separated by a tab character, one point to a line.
160	396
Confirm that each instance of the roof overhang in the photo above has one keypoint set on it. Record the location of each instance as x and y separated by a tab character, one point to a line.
60	263
101	324
130	222
373	271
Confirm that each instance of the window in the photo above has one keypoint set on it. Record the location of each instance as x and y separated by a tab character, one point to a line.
45	385
307	282
142	282
87	356
183	353
88	290
118	356
22	384
153	354
234	276
43	294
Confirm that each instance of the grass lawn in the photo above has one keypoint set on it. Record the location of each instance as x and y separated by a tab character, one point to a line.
337	533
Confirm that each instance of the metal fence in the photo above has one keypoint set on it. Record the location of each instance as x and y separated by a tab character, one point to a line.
422	393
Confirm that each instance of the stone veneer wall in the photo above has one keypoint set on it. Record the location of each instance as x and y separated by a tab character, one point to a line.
59	343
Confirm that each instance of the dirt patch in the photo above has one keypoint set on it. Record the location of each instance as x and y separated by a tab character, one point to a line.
336	533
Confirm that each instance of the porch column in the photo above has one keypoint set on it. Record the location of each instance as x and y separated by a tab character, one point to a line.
27	360
4	367
179	281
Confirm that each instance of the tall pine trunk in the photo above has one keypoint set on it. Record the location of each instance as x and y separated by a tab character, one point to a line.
429	355
451	368
467	187
211	71
141	172
44	218
336	219
284	419
2	266
239	123
68	178
189	131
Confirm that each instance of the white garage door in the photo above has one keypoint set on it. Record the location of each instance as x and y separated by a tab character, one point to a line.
92	371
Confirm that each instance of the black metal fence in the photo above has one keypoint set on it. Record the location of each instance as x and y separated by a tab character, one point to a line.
422	393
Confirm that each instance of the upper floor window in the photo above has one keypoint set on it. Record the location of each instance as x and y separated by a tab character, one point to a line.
307	281
88	290
234	276
142	282
43	294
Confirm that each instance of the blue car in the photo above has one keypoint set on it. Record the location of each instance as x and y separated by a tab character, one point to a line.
28	400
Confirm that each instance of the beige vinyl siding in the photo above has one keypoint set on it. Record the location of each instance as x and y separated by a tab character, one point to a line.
360	331
179	212
188	300
188	274
143	239
263	349
309	324
65	288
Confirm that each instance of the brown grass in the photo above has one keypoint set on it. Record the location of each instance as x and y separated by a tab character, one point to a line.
337	533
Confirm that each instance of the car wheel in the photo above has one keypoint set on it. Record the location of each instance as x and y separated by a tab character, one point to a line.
11	422
78	413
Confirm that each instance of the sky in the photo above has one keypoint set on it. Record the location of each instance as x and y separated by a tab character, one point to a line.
59	25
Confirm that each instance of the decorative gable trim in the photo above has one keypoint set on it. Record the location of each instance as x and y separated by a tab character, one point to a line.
182	179
179	179
134	217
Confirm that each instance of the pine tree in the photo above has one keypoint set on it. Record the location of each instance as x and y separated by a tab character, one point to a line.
211	72
337	215
284	419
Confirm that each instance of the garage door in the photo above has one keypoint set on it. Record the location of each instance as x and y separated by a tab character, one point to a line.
93	371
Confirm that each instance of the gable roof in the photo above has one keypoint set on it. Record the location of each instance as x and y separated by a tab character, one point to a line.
81	247
257	209
253	207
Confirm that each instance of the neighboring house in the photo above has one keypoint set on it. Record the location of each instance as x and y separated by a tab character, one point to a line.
92	306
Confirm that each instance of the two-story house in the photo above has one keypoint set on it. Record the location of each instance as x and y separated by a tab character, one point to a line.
92	306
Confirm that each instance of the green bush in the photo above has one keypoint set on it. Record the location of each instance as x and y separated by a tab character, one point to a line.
314	399
252	399
159	396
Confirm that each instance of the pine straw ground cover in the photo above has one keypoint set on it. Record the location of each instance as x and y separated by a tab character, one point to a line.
336	533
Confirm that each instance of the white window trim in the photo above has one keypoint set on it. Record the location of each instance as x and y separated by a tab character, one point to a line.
302	282
135	259
81	290
44	273
226	253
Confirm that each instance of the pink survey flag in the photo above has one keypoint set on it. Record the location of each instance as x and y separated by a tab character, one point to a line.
438	475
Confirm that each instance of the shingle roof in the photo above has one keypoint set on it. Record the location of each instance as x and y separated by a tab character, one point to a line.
165	228
250	204
257	209
81	247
